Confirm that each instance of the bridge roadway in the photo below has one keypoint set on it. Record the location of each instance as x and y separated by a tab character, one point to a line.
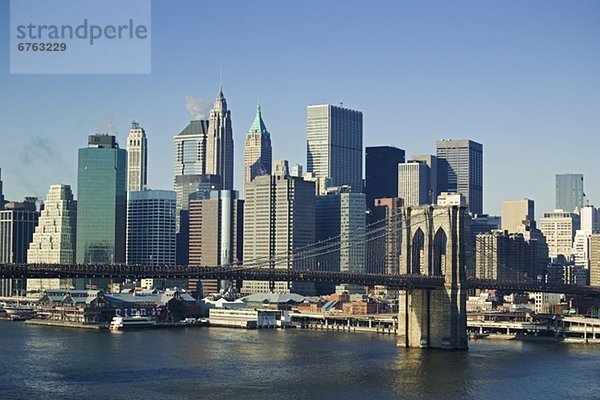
22	271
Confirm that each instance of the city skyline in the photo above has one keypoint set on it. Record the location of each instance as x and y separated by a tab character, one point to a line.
476	93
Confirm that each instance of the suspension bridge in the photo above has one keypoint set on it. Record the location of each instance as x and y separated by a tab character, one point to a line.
420	251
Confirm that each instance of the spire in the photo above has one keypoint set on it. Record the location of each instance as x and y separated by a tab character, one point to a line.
258	126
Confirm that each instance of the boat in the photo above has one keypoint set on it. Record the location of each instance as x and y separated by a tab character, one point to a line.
17	313
137	322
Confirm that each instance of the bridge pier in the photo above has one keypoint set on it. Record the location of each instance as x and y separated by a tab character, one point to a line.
433	318
433	245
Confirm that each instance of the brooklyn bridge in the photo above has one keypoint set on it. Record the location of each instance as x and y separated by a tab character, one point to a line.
431	279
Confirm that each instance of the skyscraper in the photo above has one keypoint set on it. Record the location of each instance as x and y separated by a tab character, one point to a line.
215	235
101	201
569	191
334	145
413	183
17	224
516	213
219	143
1	192
257	150
137	158
431	162
381	172
559	228
279	217
460	169
518	217
384	252
151	227
595	259
54	237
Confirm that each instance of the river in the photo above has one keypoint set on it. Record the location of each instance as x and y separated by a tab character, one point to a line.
212	363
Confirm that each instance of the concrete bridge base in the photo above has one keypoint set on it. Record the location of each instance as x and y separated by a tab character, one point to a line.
433	318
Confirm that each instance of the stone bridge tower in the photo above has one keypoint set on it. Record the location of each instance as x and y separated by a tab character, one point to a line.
433	244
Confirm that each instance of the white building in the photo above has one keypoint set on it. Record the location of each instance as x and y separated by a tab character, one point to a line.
137	158
413	183
54	237
559	228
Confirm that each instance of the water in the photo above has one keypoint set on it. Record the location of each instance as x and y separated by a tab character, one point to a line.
197	363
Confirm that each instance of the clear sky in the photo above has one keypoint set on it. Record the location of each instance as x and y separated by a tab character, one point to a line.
521	77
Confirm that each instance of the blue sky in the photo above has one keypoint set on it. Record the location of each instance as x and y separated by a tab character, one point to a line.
521	77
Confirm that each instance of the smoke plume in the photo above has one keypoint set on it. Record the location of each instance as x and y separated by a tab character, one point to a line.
199	108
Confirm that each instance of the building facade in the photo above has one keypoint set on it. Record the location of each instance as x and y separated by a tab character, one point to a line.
219	143
17	224
460	169
151	234
54	238
101	201
431	162
413	183
569	192
559	228
137	158
595	259
257	149
1	192
383	253
215	236
516	213
334	145
381	166
279	217
341	214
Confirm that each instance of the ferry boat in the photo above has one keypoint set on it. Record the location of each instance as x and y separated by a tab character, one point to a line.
16	312
137	322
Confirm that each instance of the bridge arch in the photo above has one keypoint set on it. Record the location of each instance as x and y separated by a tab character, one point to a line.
418	264
440	243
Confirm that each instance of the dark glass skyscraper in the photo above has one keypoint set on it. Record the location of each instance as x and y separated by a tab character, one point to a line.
101	201
382	172
460	169
569	192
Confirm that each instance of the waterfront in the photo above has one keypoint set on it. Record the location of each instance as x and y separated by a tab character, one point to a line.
53	363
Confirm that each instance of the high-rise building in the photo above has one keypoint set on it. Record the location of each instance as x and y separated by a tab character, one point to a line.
502	256
101	201
1	192
516	213
190	160
190	178
569	191
17	224
342	214
413	180
279	218
383	253
53	241
219	143
215	236
334	145
590	223
257	150
137	158
559	228
595	259
381	171
431	162
151	227
460	169
590	219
